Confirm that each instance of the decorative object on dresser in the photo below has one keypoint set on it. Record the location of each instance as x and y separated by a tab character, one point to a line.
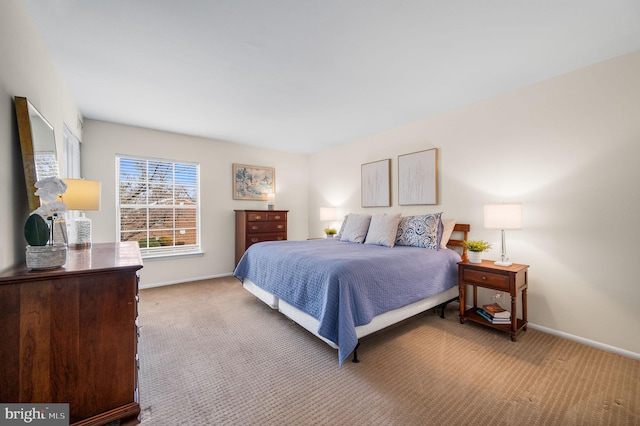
253	182
418	178
503	216
512	279
254	226
42	250
81	195
70	335
475	249
376	183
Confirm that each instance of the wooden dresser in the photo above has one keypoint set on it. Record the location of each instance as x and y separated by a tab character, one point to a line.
254	226
69	335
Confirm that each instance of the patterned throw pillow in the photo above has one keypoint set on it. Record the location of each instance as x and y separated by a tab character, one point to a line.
419	231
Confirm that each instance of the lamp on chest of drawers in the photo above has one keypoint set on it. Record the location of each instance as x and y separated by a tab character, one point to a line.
271	201
503	216
81	195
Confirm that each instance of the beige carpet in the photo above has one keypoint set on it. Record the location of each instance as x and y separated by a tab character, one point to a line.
212	354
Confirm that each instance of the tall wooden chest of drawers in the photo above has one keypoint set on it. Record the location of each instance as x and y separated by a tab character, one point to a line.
255	226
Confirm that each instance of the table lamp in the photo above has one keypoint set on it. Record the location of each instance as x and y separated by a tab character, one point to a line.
81	195
271	201
503	216
328	214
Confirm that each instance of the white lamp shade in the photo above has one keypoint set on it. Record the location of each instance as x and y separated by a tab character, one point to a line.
328	214
81	194
503	216
271	197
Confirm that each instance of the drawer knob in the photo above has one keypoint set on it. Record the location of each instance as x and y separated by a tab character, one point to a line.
279	238
255	228
280	226
484	278
258	217
254	240
277	217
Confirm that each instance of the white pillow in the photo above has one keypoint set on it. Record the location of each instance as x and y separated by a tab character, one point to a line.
383	229
355	229
344	221
448	225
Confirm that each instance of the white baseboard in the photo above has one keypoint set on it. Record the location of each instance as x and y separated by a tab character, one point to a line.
582	340
163	283
587	342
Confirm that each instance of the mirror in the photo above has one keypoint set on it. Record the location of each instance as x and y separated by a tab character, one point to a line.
38	146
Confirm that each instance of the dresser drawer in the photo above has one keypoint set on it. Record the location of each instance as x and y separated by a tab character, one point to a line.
486	279
258	238
253	217
276	216
260	227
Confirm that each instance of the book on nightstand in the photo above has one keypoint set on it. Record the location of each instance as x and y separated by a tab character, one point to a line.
496	311
493	320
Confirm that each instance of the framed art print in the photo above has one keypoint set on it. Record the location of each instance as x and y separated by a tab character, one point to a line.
376	184
253	182
418	178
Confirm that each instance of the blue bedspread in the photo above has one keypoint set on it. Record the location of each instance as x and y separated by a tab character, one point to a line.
344	285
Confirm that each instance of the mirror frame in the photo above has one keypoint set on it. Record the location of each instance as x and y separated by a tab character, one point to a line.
26	146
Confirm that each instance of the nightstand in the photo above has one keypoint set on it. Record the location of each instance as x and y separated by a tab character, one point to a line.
511	279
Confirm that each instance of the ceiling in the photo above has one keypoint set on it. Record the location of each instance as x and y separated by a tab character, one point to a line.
304	75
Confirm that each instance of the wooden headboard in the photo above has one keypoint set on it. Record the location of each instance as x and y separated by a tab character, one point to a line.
464	229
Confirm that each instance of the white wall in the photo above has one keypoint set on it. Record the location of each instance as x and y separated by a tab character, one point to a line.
104	140
569	150
26	69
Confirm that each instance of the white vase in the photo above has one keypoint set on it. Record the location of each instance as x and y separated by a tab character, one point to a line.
475	256
46	257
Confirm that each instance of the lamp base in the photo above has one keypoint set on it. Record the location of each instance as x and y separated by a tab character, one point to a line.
502	263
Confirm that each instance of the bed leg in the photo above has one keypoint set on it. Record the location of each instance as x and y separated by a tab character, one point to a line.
444	306
355	354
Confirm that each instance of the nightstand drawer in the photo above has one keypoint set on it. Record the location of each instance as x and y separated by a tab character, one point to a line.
487	279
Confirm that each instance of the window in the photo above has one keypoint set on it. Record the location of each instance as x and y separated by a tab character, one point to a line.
159	205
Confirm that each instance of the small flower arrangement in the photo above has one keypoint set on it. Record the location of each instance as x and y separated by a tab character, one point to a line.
36	229
477	246
330	231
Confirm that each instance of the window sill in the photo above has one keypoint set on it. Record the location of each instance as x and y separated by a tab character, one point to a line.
171	255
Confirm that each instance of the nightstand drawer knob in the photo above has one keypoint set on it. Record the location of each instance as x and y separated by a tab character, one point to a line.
484	278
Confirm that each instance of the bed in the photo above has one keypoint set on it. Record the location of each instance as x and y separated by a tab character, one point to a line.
342	289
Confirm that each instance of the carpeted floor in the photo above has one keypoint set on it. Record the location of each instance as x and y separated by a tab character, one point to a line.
212	354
